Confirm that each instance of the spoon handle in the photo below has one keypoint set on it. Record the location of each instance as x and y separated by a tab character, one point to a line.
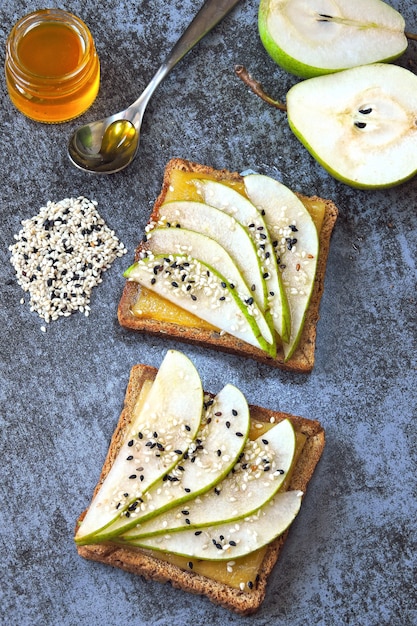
208	16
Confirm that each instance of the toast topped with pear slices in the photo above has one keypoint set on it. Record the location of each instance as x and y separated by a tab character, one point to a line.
198	489
231	262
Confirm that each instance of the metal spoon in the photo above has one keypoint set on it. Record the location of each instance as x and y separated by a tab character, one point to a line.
110	144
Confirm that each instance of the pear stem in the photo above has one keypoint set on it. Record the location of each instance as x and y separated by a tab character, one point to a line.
411	36
257	88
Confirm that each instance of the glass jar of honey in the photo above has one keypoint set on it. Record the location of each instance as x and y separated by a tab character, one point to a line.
52	68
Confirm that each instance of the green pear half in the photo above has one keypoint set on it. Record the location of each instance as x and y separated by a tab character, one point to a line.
208	251
233	539
209	458
256	478
296	244
235	204
160	434
313	37
360	124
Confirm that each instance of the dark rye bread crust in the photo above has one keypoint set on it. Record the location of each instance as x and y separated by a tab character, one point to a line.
141	562
303	358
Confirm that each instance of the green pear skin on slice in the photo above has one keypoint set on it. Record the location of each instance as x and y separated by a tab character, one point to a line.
157	439
233	203
360	124
313	37
234	539
227	231
201	290
209	458
296	245
256	477
211	253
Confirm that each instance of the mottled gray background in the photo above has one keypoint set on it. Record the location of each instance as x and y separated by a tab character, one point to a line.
351	555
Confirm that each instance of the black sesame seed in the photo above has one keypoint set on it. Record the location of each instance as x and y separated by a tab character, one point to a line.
129	458
234	412
250	584
265	442
130	444
190	564
227	424
239	434
132	476
232	543
198	532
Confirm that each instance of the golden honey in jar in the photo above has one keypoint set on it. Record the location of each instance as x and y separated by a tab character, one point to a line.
52	68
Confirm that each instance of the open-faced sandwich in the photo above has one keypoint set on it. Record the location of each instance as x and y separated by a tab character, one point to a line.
198	489
231	262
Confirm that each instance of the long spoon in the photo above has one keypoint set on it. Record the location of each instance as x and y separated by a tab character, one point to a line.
110	144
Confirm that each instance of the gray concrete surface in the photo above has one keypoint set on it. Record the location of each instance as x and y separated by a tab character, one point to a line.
351	554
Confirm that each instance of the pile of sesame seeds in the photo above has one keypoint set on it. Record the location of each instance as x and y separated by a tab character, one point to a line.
60	254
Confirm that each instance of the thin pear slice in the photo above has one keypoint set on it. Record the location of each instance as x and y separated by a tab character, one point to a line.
233	203
234	539
297	245
202	290
360	124
227	231
158	438
258	475
209	458
210	252
313	37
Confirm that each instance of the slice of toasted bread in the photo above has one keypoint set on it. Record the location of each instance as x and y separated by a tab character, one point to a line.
154	566
302	359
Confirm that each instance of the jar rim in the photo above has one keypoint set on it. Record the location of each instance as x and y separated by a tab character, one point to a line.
31	20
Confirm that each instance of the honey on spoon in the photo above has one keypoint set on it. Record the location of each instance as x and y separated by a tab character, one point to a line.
109	145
